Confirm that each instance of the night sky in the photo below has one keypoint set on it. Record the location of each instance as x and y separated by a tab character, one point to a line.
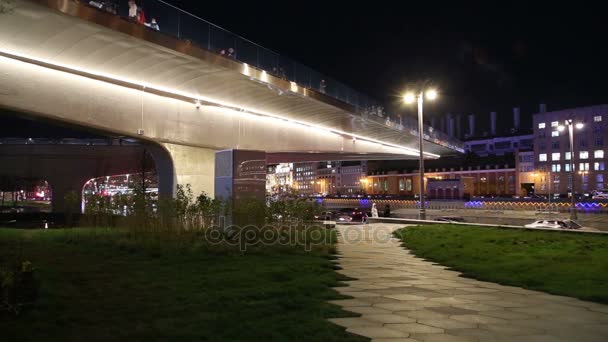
482	57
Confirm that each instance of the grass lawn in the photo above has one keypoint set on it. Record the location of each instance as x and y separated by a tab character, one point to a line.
563	263
96	288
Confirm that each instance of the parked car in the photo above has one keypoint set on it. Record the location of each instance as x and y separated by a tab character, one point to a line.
351	215
326	216
600	194
554	224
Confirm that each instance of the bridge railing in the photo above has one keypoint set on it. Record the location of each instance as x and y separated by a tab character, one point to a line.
187	26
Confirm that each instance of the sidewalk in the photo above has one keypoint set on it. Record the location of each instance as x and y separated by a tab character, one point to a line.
404	298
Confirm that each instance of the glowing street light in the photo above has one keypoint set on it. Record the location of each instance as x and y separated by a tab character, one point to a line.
408	98
431	94
579	125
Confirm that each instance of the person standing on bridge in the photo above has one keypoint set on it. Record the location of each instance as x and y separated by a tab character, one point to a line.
322	86
141	16
153	25
132	10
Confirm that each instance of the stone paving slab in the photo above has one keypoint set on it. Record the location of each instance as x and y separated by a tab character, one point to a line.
403	298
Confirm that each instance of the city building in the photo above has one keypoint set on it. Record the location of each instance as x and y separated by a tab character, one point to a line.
351	175
526	176
499	145
279	178
455	183
305	176
327	178
554	164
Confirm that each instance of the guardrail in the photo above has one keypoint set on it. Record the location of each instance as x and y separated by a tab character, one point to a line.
183	25
561	207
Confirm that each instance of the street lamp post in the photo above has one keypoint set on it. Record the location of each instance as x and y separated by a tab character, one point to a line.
409	98
560	128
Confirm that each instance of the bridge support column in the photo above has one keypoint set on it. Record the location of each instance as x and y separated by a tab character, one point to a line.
187	165
240	174
63	184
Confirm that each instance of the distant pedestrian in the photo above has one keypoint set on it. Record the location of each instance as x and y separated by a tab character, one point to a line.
223	52
374	210
153	25
322	86
132	10
387	211
231	53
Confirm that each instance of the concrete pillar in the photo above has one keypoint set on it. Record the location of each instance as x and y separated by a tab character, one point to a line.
471	125
451	125
240	174
516	118
190	165
61	185
493	123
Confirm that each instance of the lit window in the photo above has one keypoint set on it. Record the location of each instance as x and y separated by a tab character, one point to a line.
583	155
556	168
541	125
599	166
542	157
555	133
555	156
567	167
597	118
583	166
599	178
554	124
599	154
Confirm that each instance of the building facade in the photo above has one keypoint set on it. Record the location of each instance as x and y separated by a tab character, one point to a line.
499	145
585	170
280	178
488	181
313	178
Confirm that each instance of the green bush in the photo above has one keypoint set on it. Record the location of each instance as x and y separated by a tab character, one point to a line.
18	288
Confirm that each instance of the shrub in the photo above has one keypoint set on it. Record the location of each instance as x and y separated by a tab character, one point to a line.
18	288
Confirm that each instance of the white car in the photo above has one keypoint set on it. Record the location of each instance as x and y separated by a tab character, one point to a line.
554	224
600	196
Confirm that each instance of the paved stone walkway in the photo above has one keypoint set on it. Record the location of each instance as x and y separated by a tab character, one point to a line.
404	298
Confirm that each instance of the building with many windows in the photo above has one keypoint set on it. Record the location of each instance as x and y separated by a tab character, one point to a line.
491	180
328	178
499	145
555	166
305	175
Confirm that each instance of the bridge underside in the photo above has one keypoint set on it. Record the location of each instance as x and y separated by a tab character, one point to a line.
110	75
